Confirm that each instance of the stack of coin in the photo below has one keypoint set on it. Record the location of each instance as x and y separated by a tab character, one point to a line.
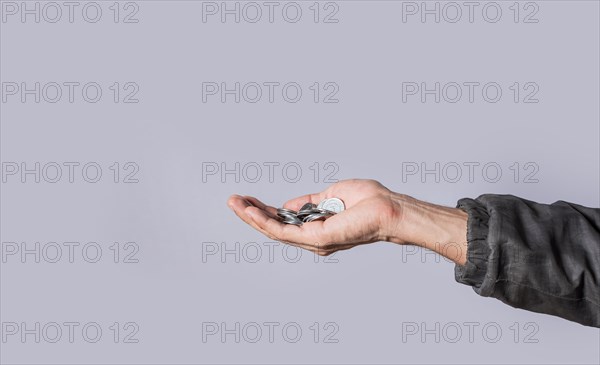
288	216
311	212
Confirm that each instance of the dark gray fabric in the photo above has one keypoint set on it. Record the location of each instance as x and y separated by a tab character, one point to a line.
539	257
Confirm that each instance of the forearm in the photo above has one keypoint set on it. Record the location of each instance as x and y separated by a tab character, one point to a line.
434	227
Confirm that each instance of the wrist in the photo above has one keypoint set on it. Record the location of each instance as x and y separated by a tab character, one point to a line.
434	227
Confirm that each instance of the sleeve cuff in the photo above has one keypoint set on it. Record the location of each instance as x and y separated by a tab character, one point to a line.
475	269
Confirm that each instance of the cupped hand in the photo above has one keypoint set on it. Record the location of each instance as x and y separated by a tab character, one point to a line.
371	209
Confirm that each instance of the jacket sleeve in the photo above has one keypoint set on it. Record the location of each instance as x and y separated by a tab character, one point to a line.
539	257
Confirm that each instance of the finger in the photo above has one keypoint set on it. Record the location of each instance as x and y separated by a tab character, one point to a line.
310	236
298	202
281	232
272	211
239	205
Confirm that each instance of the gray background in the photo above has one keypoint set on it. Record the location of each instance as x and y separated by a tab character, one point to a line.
371	290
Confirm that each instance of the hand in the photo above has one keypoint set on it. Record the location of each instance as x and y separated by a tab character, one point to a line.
373	213
369	208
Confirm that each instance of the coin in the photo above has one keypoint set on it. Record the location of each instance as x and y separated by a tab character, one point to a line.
292	220
316	217
286	211
287	216
310	212
333	205
308	206
304	213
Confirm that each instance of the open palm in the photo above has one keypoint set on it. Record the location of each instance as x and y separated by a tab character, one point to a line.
369	208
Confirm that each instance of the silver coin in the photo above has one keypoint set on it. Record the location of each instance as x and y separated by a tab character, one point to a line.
288	218
285	215
292	220
308	211
308	206
286	211
333	204
324	212
315	217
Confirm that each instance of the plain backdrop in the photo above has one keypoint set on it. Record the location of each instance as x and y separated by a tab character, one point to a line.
379	303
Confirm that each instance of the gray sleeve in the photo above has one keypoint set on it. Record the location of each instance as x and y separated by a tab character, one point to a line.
539	257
